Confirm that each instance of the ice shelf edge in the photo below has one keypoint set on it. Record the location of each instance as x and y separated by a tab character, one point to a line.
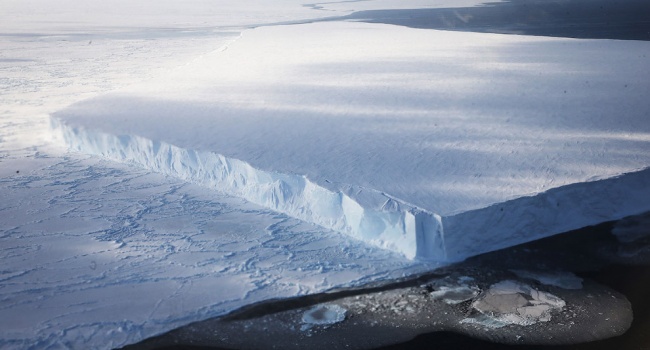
545	214
399	227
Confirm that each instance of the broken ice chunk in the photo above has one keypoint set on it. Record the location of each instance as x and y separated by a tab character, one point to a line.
455	294
322	315
512	302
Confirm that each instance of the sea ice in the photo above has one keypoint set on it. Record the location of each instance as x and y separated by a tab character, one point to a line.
100	255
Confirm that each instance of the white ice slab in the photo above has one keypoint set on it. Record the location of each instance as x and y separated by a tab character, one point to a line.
438	145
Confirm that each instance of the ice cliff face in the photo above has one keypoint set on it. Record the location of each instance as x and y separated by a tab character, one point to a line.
395	225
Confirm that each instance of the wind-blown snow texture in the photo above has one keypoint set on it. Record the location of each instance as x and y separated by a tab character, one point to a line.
110	255
437	145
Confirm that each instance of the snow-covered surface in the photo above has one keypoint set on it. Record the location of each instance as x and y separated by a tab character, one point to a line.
437	145
97	254
147	17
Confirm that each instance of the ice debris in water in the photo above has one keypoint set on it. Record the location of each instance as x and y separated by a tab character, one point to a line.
511	302
322	315
454	290
453	295
562	279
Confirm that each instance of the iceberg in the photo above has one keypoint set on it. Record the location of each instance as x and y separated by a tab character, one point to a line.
436	145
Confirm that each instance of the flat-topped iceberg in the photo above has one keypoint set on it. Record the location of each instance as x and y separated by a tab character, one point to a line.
437	145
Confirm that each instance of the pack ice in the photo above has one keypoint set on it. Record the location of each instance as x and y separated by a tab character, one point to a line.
437	145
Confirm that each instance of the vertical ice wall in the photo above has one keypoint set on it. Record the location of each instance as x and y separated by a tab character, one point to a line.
394	225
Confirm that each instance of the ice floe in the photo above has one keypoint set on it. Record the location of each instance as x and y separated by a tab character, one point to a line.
455	295
455	290
514	303
322	315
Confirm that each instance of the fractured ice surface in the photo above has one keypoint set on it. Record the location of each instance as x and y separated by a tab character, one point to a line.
455	290
512	302
437	145
100	255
